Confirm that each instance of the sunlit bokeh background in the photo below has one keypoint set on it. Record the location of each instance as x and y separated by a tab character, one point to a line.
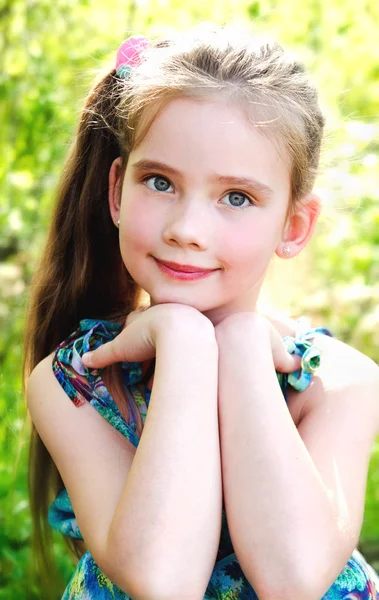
49	54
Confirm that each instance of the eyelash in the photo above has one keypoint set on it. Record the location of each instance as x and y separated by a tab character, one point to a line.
251	202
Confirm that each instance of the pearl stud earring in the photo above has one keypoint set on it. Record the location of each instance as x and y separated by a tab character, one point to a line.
286	250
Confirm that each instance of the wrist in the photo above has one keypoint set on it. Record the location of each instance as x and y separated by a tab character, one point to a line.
171	316
186	330
241	328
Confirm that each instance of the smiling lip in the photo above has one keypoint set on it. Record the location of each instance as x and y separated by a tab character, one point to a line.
184	272
184	268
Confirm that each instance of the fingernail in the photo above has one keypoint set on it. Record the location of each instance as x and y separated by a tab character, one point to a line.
87	358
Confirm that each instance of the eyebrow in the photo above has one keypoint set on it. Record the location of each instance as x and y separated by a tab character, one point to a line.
254	184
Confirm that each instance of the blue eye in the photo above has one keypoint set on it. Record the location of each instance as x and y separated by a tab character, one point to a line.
237	199
157	183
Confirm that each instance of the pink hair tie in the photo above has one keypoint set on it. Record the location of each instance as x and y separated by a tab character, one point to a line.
129	54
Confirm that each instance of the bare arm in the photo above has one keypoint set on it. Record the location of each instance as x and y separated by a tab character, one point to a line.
293	497
152	523
171	505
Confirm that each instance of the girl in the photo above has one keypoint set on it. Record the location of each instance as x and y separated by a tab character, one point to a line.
199	457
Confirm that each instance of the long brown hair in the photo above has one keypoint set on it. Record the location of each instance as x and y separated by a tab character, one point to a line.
81	273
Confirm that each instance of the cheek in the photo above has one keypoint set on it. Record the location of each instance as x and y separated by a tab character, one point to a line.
139	226
250	246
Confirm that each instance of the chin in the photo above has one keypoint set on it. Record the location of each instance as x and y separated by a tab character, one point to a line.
199	304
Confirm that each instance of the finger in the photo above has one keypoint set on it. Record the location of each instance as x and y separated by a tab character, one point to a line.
133	344
285	362
104	355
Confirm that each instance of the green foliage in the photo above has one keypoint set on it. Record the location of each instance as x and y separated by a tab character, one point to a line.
49	53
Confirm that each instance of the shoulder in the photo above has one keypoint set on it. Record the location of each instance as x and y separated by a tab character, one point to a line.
346	378
80	383
344	372
48	404
39	375
60	383
65	430
342	365
62	370
44	395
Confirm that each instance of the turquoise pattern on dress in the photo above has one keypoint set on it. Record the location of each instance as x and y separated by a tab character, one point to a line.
357	581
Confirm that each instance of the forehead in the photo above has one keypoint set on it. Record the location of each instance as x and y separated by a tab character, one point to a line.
213	136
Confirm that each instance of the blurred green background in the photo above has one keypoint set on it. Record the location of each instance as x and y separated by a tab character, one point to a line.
49	54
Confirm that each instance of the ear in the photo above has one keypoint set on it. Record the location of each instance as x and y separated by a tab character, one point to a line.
115	189
299	226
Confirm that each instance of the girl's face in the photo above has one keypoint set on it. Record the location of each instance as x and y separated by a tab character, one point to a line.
206	189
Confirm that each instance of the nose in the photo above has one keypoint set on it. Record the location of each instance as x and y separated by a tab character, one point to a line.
188	224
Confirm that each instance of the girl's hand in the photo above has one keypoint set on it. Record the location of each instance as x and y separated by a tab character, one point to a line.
138	340
265	335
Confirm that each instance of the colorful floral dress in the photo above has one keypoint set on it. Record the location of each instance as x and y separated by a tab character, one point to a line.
228	582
